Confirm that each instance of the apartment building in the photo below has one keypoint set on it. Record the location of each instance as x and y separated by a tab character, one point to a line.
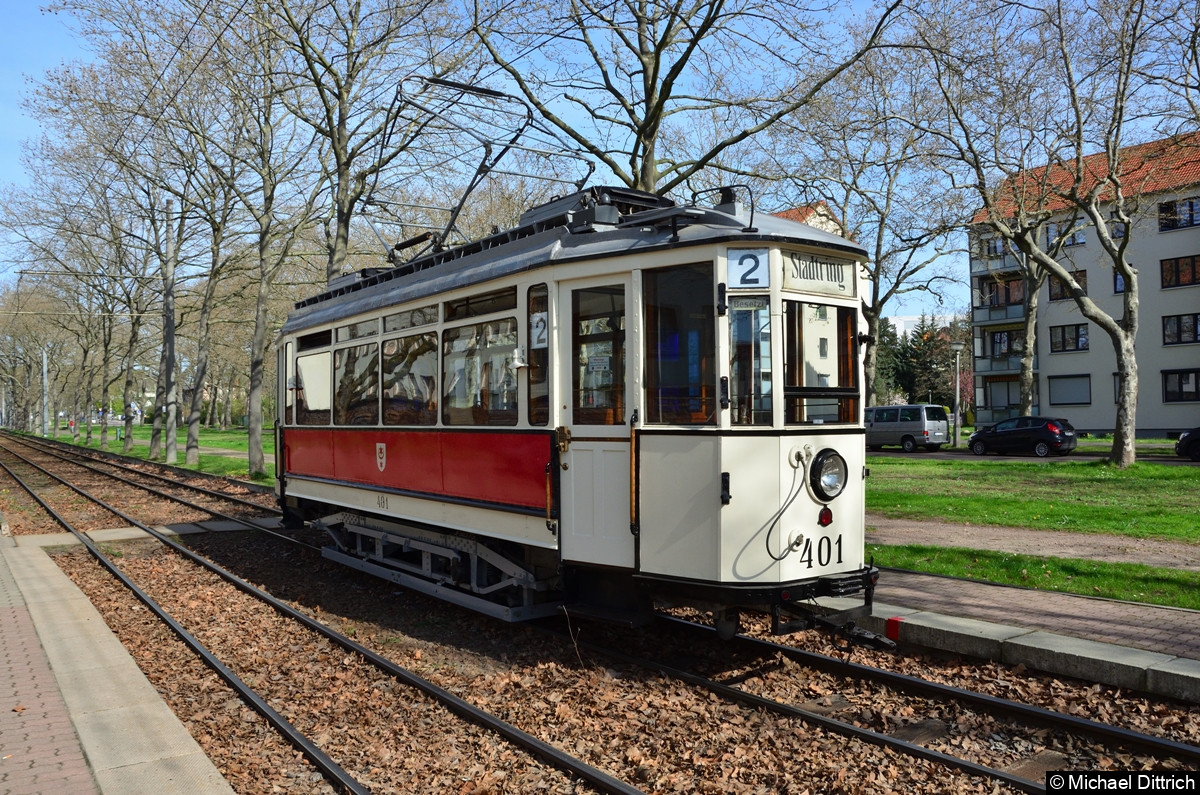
1075	363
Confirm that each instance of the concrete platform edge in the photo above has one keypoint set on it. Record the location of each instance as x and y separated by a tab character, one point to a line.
1118	666
136	746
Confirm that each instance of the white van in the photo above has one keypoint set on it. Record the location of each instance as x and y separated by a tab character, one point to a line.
923	425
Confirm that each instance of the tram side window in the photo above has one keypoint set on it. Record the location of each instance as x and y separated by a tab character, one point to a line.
410	380
680	345
750	360
598	355
539	355
479	385
356	401
313	389
816	389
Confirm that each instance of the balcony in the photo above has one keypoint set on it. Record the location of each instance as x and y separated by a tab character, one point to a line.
1004	264
1000	365
996	314
990	415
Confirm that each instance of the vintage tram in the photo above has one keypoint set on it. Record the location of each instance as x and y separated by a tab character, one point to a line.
619	402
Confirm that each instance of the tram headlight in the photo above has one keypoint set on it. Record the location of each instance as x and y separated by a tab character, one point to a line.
828	474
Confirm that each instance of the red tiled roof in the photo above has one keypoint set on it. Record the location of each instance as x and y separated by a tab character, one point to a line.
1154	167
798	214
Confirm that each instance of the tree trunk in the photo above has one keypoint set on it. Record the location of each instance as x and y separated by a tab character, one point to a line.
160	406
1123	451
871	359
258	346
1028	356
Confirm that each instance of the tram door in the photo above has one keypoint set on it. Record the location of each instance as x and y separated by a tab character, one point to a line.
594	523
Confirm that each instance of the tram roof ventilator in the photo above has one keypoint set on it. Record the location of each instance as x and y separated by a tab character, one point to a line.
588	210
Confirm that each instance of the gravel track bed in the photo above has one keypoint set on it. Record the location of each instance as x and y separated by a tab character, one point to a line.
1147	714
147	507
25	517
658	734
960	730
390	737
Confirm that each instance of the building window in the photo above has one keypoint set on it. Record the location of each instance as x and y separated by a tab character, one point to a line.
1009	342
993	247
1070	390
1179	214
1001	292
1181	271
1181	386
1118	282
1180	329
1117	229
1070	237
1069	338
1058	290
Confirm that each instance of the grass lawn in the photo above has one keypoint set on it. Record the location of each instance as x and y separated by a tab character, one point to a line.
1082	495
1079	495
1129	581
232	439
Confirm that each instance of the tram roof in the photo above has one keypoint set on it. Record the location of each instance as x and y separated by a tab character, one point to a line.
592	224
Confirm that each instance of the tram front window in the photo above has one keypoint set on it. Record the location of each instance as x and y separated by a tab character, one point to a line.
750	360
820	363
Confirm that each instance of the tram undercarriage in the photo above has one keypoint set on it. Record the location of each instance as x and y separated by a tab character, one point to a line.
522	583
456	568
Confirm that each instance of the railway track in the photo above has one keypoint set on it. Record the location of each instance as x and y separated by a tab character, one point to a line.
261	699
915	732
743	733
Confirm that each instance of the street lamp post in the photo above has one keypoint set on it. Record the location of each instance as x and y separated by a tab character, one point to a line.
957	347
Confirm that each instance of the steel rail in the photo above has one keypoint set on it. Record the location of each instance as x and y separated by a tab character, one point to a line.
314	754
48	449
1033	714
543	750
830	724
159	493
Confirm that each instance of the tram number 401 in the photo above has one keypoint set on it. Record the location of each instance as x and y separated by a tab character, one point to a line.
824	553
381	502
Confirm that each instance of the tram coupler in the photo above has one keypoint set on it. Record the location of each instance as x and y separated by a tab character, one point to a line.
840	626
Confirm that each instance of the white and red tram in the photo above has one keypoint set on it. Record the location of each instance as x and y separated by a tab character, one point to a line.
619	402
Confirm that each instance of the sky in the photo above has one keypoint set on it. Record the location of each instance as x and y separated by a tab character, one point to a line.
31	42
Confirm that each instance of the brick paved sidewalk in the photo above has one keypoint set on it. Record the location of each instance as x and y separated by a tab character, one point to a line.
39	749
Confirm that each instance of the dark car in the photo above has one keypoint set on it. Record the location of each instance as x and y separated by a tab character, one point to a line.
1188	445
1038	435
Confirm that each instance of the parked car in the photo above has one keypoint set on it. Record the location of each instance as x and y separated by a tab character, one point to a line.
908	426
1188	445
1038	435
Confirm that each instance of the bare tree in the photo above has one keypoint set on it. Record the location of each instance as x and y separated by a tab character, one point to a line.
623	79
853	150
348	63
279	191
1064	81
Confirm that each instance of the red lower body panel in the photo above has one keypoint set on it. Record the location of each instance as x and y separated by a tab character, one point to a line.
505	468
